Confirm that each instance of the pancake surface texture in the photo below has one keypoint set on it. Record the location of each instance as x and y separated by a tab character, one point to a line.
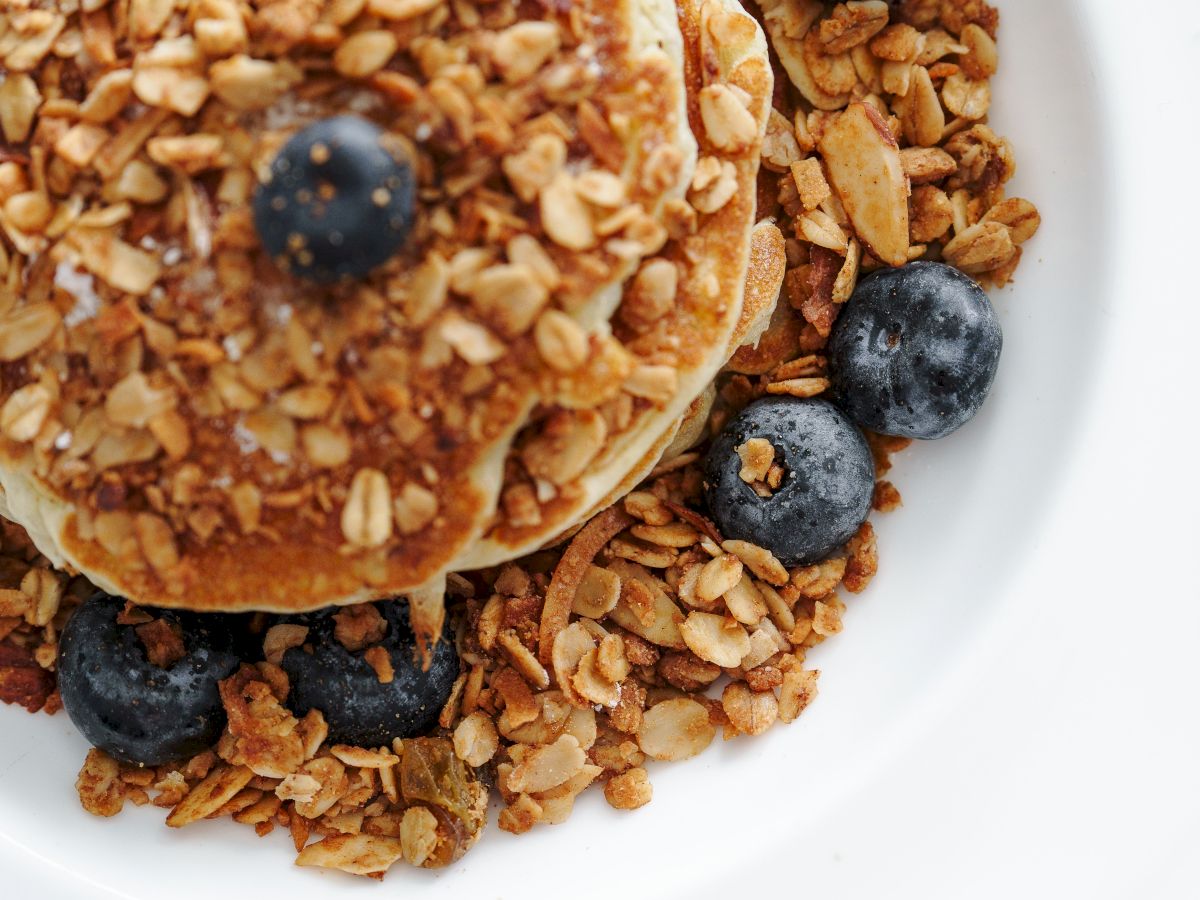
190	425
678	314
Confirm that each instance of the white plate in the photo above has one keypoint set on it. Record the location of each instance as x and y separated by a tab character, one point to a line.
1003	712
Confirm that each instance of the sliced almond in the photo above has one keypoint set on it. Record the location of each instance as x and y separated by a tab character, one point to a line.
863	161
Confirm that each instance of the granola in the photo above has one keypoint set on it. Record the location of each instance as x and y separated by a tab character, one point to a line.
644	633
631	680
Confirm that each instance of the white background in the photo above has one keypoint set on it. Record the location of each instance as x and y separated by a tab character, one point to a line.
1012	710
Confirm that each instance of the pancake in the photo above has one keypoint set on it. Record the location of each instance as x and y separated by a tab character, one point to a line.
189	425
669	358
764	279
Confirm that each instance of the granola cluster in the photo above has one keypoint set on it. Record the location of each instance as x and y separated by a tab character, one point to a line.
35	602
164	376
878	152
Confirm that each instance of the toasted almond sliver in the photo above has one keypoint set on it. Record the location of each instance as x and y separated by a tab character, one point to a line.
865	168
364	758
358	854
210	795
524	660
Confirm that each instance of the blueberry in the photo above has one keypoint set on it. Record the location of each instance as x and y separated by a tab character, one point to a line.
915	351
359	709
338	203
825	493
136	711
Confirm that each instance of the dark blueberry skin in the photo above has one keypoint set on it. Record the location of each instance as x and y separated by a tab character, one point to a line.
133	710
342	685
825	495
915	351
338	203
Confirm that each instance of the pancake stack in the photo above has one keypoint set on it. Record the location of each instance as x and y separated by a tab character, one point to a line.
191	422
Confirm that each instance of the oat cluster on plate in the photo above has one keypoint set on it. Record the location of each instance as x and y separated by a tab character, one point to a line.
625	230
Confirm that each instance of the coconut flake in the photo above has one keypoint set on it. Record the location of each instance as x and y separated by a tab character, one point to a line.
81	286
245	439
